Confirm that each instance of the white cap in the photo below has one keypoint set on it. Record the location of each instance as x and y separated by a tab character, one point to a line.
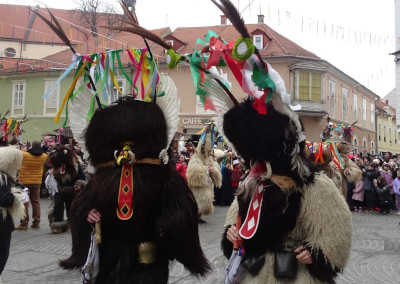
235	162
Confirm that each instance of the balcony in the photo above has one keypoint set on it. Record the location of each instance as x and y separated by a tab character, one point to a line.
310	108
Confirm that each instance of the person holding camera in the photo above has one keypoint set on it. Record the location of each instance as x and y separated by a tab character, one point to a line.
369	174
384	197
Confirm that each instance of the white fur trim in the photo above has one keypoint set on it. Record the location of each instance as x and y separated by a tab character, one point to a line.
10	161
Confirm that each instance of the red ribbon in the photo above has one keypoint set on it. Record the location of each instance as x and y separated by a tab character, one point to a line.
320	153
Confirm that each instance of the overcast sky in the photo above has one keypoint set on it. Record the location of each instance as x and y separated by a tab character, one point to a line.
355	36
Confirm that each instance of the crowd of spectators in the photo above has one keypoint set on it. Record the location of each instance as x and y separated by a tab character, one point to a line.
379	189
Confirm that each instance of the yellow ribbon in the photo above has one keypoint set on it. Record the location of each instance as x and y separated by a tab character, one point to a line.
115	81
69	92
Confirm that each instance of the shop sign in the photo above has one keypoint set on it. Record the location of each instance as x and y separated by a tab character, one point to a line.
194	121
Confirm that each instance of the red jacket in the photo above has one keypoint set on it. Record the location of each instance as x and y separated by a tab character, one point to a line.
181	168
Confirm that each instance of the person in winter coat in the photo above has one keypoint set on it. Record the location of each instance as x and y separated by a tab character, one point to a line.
181	166
396	189
383	194
358	196
31	174
387	173
369	175
11	206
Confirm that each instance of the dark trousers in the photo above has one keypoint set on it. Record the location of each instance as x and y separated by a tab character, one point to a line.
369	199
357	203
5	241
34	196
62	201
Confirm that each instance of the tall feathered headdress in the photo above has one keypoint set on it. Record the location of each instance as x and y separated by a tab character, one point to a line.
83	94
259	80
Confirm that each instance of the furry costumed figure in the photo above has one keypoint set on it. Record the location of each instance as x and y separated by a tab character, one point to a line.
203	172
144	207
350	172
327	166
163	221
283	203
298	204
341	137
12	209
67	170
10	162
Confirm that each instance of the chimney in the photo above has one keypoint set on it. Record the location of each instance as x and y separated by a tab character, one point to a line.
260	19
387	102
223	20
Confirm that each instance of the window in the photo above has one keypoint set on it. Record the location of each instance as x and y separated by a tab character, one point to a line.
115	95
51	103
384	133
258	41
372	113
364	109
355	103
390	135
344	102
379	132
355	143
316	87
372	148
331	97
309	86
18	97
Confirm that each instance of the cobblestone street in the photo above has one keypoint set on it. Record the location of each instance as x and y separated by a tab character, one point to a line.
375	255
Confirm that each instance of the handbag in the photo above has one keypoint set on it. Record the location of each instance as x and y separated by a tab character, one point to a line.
285	265
231	270
91	268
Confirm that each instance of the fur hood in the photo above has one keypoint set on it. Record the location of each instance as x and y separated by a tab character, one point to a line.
10	161
276	137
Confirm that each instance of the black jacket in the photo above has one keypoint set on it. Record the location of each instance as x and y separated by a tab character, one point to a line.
6	200
368	177
383	194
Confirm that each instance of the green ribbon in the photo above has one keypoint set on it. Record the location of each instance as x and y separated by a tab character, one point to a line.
261	79
122	68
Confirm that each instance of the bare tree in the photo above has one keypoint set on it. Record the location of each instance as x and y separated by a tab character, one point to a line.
94	13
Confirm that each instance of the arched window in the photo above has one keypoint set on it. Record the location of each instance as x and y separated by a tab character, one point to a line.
372	147
355	143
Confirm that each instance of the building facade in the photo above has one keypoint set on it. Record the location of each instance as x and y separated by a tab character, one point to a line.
387	135
321	89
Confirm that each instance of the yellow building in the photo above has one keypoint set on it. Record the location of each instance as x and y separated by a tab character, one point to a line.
387	136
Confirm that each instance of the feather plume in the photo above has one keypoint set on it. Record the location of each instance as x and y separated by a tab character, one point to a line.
57	29
138	30
127	13
77	112
233	15
170	104
219	97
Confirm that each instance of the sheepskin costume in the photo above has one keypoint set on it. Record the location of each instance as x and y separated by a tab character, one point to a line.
350	172
10	162
164	212
297	205
327	166
284	202
203	172
340	138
